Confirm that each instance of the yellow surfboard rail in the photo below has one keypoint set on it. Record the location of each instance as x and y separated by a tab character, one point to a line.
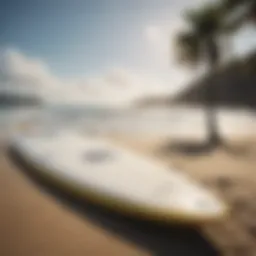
117	205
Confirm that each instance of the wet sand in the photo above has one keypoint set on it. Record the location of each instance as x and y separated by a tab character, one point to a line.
231	173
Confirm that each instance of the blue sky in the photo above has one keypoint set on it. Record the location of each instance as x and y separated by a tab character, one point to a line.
94	47
82	36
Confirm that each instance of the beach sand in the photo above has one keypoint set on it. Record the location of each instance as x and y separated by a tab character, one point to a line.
36	219
230	173
33	224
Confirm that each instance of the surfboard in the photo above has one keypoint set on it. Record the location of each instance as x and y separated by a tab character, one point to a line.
114	177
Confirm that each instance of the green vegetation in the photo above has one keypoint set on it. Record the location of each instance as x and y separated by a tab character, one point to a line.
234	85
201	44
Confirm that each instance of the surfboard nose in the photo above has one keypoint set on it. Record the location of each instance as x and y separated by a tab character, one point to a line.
191	202
207	206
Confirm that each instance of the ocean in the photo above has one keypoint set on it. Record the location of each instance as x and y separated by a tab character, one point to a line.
161	122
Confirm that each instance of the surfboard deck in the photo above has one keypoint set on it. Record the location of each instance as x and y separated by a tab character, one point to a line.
117	178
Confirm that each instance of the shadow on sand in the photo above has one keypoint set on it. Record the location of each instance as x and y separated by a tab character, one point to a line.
194	148
190	148
159	240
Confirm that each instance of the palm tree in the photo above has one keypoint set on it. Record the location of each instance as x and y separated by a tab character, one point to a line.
241	11
200	44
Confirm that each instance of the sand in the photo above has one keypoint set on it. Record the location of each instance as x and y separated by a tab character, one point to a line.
229	173
36	219
33	224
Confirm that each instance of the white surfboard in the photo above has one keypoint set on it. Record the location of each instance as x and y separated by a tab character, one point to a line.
116	178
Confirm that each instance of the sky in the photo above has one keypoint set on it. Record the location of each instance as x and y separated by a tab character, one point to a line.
105	51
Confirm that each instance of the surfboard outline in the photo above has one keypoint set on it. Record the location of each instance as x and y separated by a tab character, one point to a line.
117	205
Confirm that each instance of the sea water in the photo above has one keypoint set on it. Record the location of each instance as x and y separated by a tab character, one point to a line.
182	122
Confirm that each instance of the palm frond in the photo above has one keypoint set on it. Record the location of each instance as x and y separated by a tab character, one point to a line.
239	13
206	20
230	5
188	48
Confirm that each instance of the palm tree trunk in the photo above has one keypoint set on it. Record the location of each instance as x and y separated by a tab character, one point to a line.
211	119
214	138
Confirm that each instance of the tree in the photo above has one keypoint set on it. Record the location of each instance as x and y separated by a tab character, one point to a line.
201	44
242	12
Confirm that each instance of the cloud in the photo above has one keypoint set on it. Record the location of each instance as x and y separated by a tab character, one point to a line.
119	86
158	38
161	39
20	73
161	42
